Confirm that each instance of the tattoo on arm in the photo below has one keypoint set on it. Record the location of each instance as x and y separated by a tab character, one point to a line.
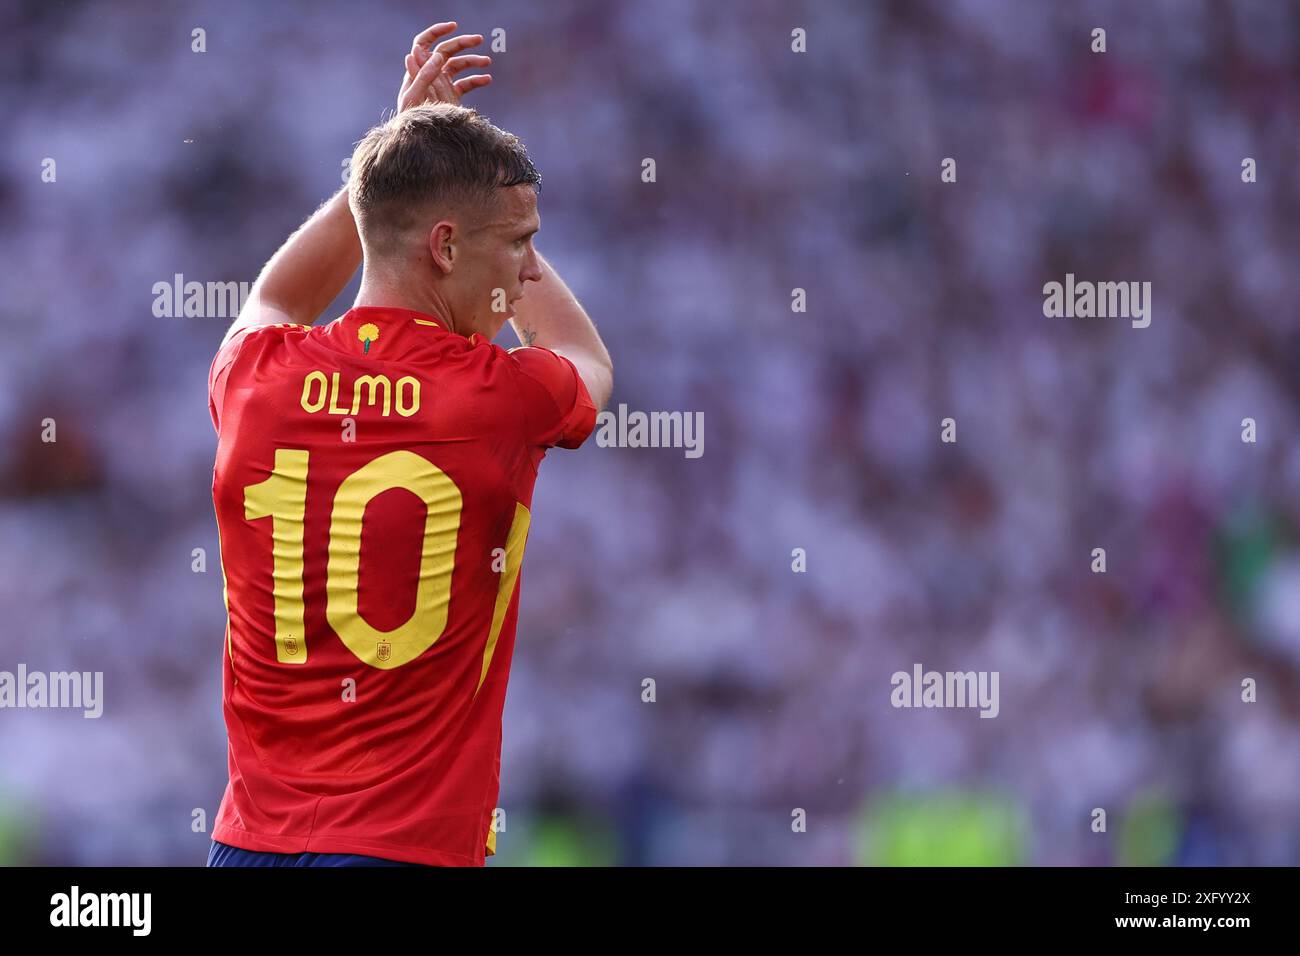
527	336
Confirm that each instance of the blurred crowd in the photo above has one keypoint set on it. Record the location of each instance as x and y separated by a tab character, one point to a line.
774	171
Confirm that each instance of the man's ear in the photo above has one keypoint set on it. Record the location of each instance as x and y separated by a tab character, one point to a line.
442	246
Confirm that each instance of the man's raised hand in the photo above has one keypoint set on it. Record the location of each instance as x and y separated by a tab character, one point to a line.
430	74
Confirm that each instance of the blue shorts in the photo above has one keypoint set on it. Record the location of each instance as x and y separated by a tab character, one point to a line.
222	854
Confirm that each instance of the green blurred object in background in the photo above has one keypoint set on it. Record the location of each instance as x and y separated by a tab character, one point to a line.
1246	546
562	841
956	828
1149	833
15	838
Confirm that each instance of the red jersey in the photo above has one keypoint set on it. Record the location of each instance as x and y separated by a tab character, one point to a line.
372	490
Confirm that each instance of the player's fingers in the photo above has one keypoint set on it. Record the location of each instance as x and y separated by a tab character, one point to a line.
417	59
458	63
420	46
424	39
412	68
418	89
468	83
429	72
456	44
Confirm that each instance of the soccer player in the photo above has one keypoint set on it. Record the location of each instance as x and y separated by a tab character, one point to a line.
373	485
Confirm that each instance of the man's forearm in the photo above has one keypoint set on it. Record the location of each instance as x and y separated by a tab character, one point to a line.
550	316
309	270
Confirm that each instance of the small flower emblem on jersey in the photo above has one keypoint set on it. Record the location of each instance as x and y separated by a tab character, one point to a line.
368	333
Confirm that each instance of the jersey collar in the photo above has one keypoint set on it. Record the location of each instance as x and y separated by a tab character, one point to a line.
369	313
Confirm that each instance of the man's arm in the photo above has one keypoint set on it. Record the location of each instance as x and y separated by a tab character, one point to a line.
550	316
316	263
308	271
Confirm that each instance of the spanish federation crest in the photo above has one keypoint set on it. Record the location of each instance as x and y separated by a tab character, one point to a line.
368	333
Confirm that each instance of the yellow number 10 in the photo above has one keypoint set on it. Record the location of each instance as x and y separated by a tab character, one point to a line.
283	498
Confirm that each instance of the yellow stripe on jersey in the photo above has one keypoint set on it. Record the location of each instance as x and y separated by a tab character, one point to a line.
225	588
506	586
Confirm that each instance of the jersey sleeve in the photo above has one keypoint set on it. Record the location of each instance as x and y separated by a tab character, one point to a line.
557	407
225	360
218	373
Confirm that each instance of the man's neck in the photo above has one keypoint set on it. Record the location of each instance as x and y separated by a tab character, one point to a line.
377	291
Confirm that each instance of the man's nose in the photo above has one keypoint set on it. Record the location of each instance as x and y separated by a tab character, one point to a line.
532	270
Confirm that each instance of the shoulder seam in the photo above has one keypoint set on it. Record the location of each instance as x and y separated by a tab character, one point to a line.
517	372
